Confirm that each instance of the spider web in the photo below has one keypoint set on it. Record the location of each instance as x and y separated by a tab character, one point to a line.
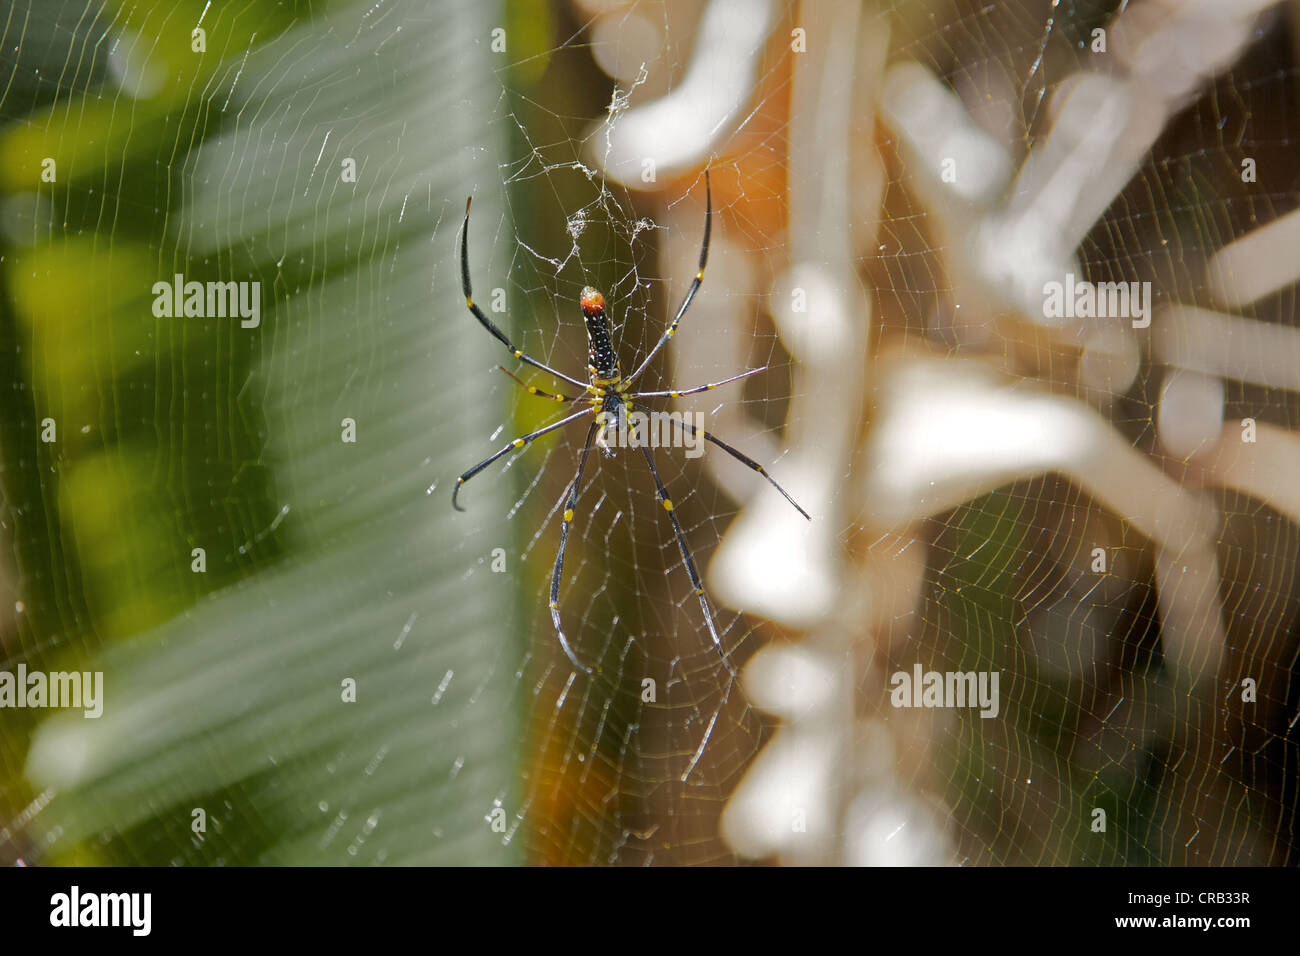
1099	714
965	460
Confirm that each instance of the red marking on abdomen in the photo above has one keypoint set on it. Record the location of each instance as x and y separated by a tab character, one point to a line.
592	301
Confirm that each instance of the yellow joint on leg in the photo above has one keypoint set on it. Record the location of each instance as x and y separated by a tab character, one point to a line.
668	504
518	443
700	275
568	514
469	302
699	591
555	605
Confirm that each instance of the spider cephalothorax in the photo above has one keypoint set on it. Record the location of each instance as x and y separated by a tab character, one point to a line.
610	398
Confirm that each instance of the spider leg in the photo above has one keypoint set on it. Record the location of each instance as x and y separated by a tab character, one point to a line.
533	390
486	322
559	557
681	546
734	453
515	443
678	393
695	285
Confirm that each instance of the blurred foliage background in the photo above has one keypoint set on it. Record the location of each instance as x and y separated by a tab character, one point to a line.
220	155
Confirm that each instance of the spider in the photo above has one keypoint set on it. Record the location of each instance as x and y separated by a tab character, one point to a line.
609	395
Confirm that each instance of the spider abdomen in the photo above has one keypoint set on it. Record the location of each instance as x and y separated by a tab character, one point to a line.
602	363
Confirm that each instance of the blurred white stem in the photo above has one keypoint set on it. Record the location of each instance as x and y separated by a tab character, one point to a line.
1265	469
950	431
1228	346
772	562
1256	265
678	130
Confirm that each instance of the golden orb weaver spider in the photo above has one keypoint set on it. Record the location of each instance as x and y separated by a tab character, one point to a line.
610	397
